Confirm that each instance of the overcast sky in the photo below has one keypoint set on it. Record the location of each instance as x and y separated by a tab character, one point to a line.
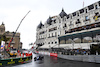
12	11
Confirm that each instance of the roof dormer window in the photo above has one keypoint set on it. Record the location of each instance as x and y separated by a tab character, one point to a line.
91	7
74	14
81	11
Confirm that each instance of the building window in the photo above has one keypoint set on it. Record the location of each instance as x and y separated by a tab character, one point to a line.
78	21
86	10
65	25
56	42
96	7
52	29
48	42
86	18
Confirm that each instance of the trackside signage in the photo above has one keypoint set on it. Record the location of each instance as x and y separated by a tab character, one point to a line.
53	54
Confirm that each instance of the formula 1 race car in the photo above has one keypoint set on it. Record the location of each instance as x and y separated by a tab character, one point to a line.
40	57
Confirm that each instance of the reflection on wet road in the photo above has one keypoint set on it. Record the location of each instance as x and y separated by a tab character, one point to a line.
49	61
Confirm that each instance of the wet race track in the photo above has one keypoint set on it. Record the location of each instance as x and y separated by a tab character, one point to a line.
49	61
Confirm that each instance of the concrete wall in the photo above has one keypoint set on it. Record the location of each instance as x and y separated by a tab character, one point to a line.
83	58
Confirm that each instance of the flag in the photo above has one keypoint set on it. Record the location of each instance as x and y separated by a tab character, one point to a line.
2	45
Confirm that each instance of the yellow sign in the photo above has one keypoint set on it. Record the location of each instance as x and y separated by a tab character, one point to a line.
26	59
12	62
20	60
11	59
0	64
30	58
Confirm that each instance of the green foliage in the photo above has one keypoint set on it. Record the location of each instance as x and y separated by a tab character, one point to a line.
4	38
94	48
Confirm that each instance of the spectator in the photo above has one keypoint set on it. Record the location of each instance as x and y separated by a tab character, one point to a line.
84	52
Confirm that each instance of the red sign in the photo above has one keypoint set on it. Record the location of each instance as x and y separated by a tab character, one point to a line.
53	54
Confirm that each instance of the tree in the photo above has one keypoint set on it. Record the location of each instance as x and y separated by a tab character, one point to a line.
4	38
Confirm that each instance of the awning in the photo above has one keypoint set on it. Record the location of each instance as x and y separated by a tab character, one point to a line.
65	46
44	46
74	46
68	46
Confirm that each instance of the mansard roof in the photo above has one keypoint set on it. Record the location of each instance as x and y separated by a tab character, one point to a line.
49	20
40	25
62	14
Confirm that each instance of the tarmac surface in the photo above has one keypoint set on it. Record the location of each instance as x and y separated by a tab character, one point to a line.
50	61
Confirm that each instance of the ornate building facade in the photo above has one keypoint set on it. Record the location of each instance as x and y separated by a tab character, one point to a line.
80	27
16	40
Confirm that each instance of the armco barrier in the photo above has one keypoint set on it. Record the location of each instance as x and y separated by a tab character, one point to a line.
47	53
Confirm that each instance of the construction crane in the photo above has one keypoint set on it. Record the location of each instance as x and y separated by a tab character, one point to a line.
16	31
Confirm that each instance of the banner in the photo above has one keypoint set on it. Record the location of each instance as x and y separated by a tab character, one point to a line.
53	54
2	45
